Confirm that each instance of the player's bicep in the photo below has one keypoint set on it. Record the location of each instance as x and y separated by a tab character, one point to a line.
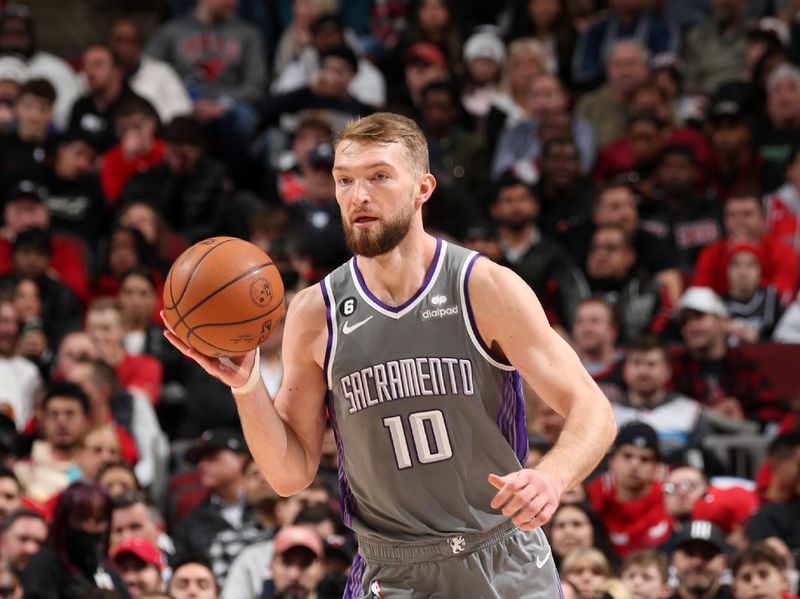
300	402
509	316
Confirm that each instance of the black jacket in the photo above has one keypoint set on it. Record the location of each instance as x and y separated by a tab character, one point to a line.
46	577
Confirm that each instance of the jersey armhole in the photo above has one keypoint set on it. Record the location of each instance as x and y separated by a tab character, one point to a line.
469	320
330	321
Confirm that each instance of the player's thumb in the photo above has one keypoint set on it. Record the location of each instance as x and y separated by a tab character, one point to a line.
498	482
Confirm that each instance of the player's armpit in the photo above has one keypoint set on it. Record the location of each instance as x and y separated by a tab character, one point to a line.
288	450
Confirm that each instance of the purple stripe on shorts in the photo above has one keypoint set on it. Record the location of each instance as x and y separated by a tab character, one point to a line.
352	589
428	276
329	323
347	498
468	303
511	415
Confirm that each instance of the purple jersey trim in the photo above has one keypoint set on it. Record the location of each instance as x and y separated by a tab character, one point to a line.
348	500
472	324
355	581
511	415
329	323
409	301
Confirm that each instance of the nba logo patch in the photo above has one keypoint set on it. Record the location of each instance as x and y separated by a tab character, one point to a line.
375	590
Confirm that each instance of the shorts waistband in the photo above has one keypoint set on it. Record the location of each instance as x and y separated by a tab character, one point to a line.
377	551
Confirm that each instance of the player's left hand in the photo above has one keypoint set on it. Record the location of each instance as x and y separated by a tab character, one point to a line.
529	496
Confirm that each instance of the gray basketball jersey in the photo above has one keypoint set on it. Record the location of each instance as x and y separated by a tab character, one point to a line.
421	411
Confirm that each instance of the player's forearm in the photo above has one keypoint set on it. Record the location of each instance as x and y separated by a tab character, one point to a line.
588	432
275	447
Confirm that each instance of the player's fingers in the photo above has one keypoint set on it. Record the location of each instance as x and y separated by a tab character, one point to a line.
511	484
210	365
517	503
538	514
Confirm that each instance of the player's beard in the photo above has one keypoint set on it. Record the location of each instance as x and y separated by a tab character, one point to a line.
381	239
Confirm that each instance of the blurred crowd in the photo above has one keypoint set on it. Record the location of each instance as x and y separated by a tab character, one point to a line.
636	162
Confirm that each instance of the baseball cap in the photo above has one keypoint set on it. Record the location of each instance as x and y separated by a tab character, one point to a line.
141	548
702	531
12	69
297	536
485	45
702	299
322	155
747	246
25	188
726	109
338	544
427	53
213	440
638	434
33	238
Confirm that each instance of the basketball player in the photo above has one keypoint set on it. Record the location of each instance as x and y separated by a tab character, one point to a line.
416	347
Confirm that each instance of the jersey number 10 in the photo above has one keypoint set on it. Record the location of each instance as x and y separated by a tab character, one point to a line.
425	453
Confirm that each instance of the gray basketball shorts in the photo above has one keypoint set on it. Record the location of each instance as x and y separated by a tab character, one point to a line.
503	563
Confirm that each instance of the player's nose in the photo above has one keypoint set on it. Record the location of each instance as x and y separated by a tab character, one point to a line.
360	194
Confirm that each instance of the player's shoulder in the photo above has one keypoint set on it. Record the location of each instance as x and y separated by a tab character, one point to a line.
491	280
309	305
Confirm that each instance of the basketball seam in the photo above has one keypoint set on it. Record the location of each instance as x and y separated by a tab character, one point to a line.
203	339
225	324
182	317
189	278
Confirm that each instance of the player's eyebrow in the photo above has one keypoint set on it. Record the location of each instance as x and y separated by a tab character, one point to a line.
366	166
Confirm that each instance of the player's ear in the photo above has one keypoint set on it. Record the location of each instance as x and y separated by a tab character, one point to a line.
427	183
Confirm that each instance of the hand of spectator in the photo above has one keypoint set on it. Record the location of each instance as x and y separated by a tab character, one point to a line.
208	110
135	143
234	371
745	333
32	344
529	496
729	407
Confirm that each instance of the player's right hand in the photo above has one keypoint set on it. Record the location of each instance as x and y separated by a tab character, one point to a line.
233	371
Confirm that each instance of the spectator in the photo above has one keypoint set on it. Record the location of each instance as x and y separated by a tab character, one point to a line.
17	38
458	158
520	146
32	342
224	523
699	561
640	302
565	193
11	78
25	208
140	565
628	498
52	465
715	49
776	134
293	166
368	85
297	563
644	574
423	63
678	420
594	337
587	570
188	187
193	579
118	479
107	90
135	123
134	517
163	246
720	378
24	532
225	78
636	155
626	20
11	582
745	223
754	309
101	446
154	80
72	190
22	383
72	562
484	60
297	36
543	264
734	168
104	325
783	467
127	409
606	107
676	206
758	573
10	493
573	526
783	206
31	144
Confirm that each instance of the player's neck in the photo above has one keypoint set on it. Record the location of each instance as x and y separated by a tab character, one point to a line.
397	275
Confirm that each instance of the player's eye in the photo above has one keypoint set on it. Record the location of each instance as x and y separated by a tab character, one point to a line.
381	177
343	181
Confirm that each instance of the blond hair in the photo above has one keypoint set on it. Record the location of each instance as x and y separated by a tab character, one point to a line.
579	555
386	128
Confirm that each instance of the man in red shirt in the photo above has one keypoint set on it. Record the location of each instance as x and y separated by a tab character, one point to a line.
783	205
629	498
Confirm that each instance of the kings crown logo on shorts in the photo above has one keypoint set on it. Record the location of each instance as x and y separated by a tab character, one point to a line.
440	308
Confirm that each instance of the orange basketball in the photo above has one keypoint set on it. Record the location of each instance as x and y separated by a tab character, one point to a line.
223	296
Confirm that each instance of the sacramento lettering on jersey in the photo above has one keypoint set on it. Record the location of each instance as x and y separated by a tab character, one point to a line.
410	377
